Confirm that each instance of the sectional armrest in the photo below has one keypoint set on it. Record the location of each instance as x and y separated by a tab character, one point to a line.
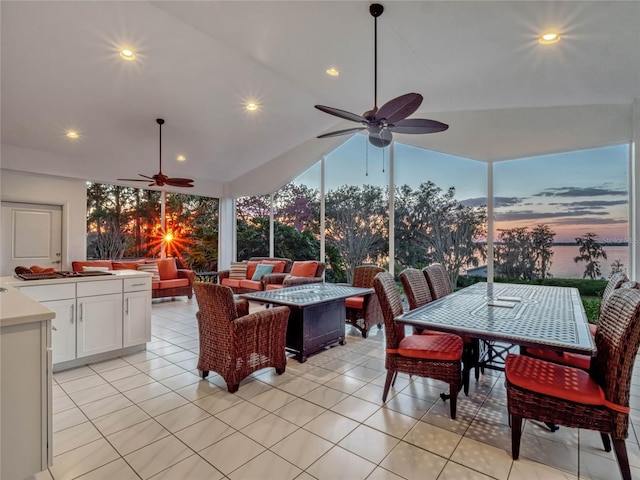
274	278
190	274
223	274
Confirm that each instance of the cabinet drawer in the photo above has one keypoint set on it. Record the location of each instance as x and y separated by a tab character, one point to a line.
103	287
137	284
56	291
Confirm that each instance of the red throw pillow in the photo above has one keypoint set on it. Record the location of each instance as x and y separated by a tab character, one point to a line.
251	268
304	269
167	269
278	265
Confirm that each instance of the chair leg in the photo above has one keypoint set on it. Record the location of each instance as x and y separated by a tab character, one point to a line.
387	384
516	433
204	373
606	441
280	371
233	388
453	400
620	447
465	378
395	376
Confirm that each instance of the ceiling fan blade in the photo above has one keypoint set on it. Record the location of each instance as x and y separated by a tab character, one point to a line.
342	132
381	139
341	113
132	180
179	182
146	176
400	107
418	125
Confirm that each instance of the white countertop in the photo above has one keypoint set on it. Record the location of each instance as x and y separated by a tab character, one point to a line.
16	309
117	275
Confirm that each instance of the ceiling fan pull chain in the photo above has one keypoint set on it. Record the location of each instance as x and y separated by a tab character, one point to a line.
383	151
366	156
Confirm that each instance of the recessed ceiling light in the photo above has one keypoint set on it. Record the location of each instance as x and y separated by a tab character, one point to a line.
549	38
127	54
252	106
72	134
332	72
181	158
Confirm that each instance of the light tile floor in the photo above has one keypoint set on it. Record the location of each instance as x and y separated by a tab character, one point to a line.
149	415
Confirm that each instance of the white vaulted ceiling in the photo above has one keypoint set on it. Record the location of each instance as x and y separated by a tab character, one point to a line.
477	64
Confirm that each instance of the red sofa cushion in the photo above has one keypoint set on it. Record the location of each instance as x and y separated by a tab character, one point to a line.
273	286
252	284
304	269
167	269
278	265
125	265
251	268
554	380
178	282
230	282
78	266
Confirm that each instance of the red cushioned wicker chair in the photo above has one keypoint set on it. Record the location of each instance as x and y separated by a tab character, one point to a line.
432	356
594	400
364	311
439	286
234	343
617	280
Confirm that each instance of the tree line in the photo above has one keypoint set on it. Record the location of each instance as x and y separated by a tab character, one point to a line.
430	226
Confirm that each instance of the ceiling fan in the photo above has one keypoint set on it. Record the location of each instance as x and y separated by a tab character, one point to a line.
160	179
392	116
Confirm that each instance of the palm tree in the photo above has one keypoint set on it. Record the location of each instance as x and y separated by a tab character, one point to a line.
590	252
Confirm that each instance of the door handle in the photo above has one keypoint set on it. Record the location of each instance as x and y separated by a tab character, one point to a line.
71	316
126	307
81	312
54	328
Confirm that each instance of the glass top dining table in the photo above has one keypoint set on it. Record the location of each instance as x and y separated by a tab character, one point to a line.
525	315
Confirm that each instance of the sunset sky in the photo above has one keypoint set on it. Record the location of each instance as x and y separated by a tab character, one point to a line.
574	193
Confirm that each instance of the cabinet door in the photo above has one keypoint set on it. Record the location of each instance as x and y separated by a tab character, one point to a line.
99	326
63	334
137	318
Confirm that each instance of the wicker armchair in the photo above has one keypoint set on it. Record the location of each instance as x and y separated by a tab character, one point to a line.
432	356
364	311
439	286
597	400
234	343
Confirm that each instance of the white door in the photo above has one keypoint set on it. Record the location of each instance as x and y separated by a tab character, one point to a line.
31	235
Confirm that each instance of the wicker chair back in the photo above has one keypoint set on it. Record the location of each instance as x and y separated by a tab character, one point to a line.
617	340
416	288
364	274
391	306
438	280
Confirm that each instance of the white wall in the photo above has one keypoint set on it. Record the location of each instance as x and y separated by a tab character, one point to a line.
71	194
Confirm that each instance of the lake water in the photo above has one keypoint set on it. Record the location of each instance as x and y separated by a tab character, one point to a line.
563	266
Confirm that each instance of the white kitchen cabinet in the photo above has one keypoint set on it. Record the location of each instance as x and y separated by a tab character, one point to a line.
25	386
63	334
99	327
137	318
96	318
